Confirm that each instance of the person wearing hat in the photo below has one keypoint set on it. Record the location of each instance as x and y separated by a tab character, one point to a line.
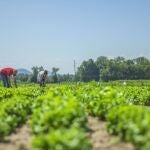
5	74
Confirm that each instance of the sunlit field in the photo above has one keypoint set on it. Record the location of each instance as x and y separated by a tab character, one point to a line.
57	115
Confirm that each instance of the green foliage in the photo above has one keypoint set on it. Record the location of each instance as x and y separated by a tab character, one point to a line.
99	99
59	111
16	108
5	93
131	123
58	121
23	77
88	71
54	74
106	99
62	139
138	95
119	68
28	91
13	113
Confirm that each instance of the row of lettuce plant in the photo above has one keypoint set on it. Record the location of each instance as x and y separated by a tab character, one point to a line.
130	122
5	93
138	95
31	91
59	122
59	118
13	113
16	109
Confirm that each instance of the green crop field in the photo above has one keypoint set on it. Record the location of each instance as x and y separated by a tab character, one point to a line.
57	114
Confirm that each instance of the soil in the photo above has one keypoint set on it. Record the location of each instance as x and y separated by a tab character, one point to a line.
102	140
20	140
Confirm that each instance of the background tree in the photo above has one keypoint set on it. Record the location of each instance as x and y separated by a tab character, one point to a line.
101	63
54	74
103	68
114	69
65	78
35	70
23	77
88	71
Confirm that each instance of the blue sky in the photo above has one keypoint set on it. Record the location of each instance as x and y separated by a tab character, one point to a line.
53	33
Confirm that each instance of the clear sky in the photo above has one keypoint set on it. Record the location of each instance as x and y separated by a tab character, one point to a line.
53	33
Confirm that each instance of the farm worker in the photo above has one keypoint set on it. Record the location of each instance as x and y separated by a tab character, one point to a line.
5	74
42	77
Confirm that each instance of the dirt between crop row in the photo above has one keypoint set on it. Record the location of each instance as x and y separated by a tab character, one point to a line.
101	140
20	140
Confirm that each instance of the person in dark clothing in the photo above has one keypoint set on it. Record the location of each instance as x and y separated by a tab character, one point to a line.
42	77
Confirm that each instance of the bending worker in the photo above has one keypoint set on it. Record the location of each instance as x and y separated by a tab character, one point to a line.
5	74
42	77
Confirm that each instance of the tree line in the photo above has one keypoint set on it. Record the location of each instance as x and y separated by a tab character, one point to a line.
119	68
103	69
